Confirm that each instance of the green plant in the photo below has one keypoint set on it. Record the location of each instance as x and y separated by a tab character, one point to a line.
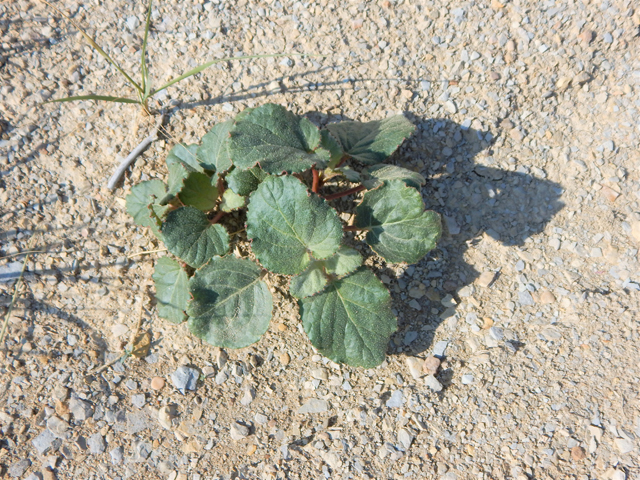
277	165
143	89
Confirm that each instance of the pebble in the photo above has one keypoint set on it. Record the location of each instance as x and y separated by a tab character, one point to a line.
467	379
431	365
18	468
440	348
261	419
546	297
496	333
117	455
405	438
320	374
157	383
578	453
314	405
96	444
586	36
34	476
57	426
138	400
238	431
618	475
45	442
221	377
396	400
486	278
285	359
165	415
80	409
623	445
433	383
415	367
525	298
249	395
185	378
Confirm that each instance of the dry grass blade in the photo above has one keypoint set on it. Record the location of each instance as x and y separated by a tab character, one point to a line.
106	98
93	43
146	86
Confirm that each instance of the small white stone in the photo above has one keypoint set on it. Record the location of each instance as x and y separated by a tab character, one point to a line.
467	379
415	367
433	383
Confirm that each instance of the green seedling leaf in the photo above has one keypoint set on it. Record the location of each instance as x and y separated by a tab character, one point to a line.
372	142
351	320
289	225
378	174
243	182
178	173
231	201
231	305
172	291
186	155
198	192
330	149
104	98
399	229
213	154
141	197
189	235
278	140
309	282
156	214
346	260
350	174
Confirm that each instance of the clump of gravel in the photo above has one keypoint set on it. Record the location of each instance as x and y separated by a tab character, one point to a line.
527	312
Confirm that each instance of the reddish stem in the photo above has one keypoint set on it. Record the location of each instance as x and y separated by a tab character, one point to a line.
220	187
351	191
315	186
352	228
342	160
218	216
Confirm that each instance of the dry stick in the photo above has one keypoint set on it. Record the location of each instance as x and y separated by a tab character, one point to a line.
148	252
16	288
115	178
353	190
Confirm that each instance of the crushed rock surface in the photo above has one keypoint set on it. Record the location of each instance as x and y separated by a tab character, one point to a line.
527	129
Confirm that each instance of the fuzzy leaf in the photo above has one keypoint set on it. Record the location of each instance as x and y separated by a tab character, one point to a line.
198	192
142	195
278	140
231	201
380	173
172	292
231	305
243	182
213	154
400	230
372	142
289	225
178	173
189	235
156	214
309	282
351	320
350	174
186	155
345	261
330	149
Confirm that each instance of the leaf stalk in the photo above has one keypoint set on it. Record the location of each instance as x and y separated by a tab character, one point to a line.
344	193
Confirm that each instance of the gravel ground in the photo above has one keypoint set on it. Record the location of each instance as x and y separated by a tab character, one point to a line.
528	132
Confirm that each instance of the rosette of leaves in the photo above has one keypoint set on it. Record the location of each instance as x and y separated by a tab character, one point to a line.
283	171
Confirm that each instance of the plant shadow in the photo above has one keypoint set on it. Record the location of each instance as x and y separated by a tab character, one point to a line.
475	198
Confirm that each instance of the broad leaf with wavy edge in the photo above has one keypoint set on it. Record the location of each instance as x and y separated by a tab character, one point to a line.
186	155
376	175
309	282
198	192
345	261
231	201
213	154
399	228
276	139
172	292
351	320
142	195
189	236
243	182
289	226
372	142
231	305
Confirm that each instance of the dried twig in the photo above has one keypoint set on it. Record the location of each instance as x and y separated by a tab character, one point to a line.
115	178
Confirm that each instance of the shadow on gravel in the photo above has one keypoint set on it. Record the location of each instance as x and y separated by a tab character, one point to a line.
475	199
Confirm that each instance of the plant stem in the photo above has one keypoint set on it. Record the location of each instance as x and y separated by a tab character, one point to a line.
316	180
342	160
217	217
353	228
351	191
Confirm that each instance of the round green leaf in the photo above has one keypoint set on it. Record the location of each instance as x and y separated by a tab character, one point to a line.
185	155
142	195
289	225
243	182
231	201
172	293
346	260
399	229
330	149
231	305
189	236
278	140
213	154
351	320
372	142
198	192
309	282
378	174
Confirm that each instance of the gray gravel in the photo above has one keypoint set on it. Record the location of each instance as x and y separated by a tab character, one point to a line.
527	130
